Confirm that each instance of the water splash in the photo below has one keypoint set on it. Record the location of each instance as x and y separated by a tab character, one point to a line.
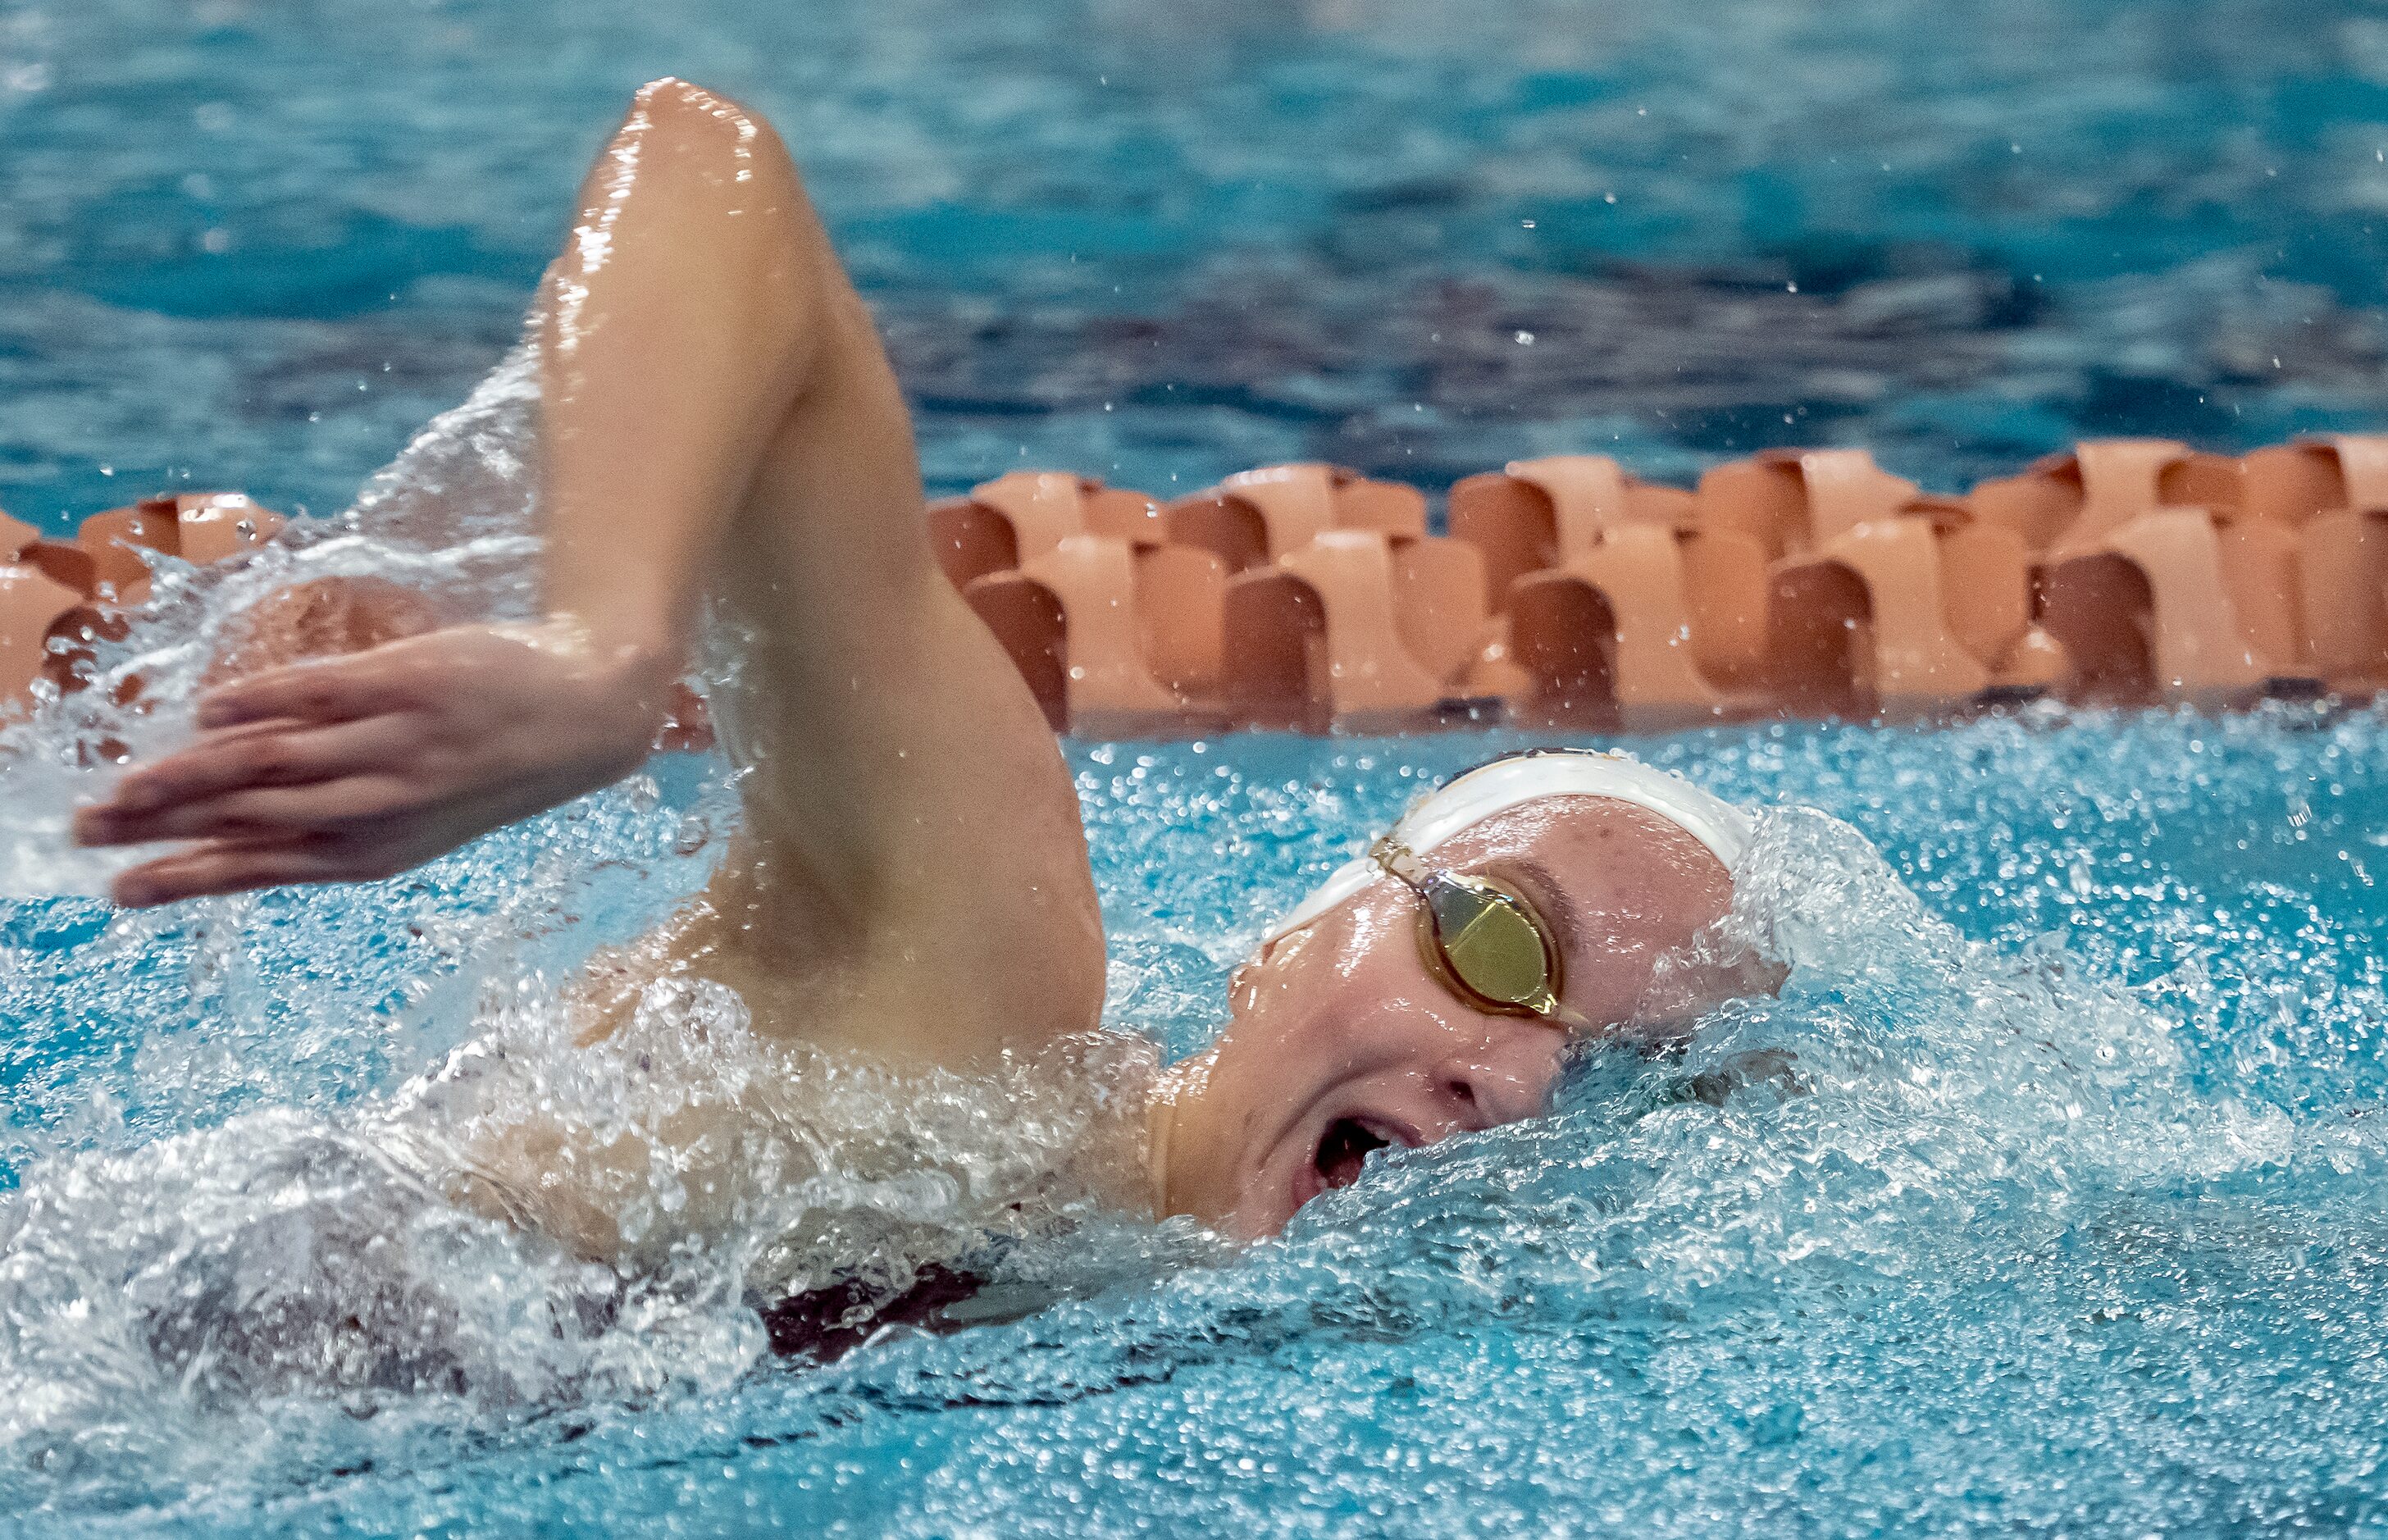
1965	1230
451	518
235	1235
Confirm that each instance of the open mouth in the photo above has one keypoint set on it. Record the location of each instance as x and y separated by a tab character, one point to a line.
1344	1148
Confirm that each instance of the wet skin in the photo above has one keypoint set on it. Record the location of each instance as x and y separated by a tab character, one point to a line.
717	420
1343	1037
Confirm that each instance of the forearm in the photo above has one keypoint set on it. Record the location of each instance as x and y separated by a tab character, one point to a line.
677	329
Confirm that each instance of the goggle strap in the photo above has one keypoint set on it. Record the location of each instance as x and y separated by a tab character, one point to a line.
1398	862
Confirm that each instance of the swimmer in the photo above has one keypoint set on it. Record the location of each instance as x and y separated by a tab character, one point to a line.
911	883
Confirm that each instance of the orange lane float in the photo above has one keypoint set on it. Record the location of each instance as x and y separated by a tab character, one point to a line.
1791	583
1258	516
1344	610
1116	628
1567	593
1013	519
59	598
1104	633
2330	495
1294	596
1539	514
33	601
1623	607
1866	615
199	527
1318	641
2152	576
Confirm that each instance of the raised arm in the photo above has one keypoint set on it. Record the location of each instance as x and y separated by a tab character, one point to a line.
717	417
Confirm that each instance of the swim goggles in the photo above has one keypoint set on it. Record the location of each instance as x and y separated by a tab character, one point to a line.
1483	939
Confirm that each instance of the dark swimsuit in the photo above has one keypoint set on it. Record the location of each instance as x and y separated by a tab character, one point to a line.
826	1324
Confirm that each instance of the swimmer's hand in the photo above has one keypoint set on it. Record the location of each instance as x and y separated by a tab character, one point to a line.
354	769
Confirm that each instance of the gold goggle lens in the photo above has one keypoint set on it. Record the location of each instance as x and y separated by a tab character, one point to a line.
1491	942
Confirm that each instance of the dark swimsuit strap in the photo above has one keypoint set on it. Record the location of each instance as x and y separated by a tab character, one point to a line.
815	1325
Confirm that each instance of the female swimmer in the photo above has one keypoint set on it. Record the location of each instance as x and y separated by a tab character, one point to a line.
911	880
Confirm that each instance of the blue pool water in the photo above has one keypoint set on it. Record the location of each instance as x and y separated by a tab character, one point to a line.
258	241
2075	1227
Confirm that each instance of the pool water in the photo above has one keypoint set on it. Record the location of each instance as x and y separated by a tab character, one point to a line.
2072	1222
258	242
2074	1226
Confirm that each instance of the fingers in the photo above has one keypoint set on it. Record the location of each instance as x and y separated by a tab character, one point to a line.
327	807
324	690
230	866
179	796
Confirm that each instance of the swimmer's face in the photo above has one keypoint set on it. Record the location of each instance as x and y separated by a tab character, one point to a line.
1343	1039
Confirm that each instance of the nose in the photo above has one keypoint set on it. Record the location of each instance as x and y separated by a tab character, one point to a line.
1486	1089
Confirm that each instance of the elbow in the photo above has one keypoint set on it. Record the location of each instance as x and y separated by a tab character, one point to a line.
723	170
676	105
682	121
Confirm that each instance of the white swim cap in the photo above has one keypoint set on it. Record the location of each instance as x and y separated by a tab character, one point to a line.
1492	789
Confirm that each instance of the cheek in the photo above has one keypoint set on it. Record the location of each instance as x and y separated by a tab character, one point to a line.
1365	956
1383	1011
1356	994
